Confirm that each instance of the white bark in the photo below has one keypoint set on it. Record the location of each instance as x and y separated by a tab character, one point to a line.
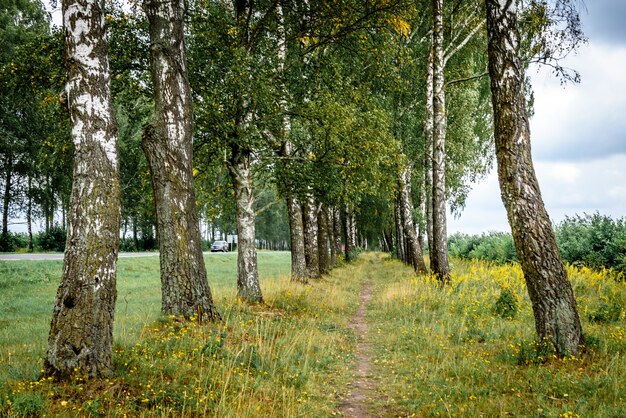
81	332
248	287
551	294
439	252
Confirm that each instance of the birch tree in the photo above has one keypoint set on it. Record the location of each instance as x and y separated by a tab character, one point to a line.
551	295
413	247
439	251
167	143
294	210
81	332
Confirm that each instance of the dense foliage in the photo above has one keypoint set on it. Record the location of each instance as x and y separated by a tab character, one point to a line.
595	241
490	246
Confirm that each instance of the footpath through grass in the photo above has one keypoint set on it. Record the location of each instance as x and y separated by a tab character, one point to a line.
465	350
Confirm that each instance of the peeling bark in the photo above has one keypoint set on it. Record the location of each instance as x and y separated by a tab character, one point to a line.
322	241
414	250
311	253
167	143
81	331
554	306
248	286
439	250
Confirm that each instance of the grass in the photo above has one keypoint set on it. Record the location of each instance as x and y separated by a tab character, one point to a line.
28	288
284	358
436	352
451	352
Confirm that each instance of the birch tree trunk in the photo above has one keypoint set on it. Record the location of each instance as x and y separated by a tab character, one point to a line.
350	232
554	306
414	249
167	144
248	286
439	250
81	331
311	252
29	214
336	215
400	251
296	228
332	238
428	151
322	241
4	240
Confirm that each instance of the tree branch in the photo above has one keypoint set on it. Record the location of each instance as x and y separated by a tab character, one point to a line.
470	78
266	207
469	36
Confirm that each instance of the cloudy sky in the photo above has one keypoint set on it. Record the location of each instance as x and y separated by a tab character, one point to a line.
578	133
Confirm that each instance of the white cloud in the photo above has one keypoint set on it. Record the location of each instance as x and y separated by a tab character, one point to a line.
584	121
567	189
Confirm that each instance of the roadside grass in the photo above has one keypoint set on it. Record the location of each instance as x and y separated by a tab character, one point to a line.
28	288
455	352
288	357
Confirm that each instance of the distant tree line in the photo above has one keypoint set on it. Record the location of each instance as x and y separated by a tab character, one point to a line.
595	241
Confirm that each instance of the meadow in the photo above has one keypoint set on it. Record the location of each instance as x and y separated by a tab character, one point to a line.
465	350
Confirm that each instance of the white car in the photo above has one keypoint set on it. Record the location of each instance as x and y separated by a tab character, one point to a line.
219	246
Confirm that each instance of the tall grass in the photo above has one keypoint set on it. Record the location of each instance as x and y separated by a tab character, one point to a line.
28	288
288	357
451	352
465	350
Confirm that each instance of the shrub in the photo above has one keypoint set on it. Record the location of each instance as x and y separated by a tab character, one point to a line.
13	241
506	305
606	313
492	246
127	245
53	239
595	241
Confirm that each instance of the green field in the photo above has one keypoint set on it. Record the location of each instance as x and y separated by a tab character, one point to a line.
465	350
27	291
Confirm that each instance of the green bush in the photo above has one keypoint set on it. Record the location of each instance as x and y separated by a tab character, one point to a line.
595	241
13	242
147	243
506	305
53	239
492	246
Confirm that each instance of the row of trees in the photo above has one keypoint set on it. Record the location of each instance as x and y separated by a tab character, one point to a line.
365	119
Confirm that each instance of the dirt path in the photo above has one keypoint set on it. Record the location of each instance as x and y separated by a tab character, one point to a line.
361	387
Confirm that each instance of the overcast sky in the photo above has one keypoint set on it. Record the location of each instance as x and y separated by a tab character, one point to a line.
578	132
